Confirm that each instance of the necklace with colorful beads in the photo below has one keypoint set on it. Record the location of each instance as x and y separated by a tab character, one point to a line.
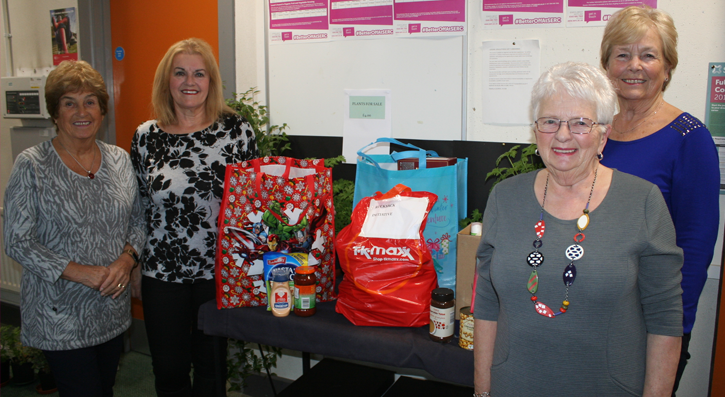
574	252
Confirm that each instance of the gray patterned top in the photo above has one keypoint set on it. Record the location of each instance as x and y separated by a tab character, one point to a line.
54	216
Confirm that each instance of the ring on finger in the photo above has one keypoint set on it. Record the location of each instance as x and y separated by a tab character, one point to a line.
121	286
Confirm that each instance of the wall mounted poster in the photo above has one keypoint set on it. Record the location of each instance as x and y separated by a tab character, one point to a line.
499	14
597	12
298	20
420	18
715	112
64	32
361	19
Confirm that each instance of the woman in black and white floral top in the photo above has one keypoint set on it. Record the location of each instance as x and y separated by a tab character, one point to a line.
180	161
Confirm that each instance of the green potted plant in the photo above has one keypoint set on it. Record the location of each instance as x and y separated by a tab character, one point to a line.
525	163
45	376
8	338
271	139
22	356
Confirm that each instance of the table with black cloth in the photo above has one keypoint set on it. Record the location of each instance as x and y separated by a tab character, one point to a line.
330	334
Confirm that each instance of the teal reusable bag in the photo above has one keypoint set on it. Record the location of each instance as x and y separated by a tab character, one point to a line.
379	173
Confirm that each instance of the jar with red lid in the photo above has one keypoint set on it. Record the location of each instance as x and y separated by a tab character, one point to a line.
305	290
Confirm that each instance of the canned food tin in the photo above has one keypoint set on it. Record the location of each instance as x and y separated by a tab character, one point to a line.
466	337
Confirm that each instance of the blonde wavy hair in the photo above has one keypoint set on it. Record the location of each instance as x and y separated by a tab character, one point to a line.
161	99
629	25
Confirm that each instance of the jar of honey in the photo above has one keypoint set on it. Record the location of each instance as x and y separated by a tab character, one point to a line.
305	290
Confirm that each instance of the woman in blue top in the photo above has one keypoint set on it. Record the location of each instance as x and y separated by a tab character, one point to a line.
656	141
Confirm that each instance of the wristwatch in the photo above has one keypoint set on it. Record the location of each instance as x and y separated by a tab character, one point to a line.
133	255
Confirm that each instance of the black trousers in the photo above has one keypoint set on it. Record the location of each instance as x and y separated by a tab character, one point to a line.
171	318
86	372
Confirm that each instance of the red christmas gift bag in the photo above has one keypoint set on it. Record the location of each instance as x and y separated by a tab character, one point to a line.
388	269
273	204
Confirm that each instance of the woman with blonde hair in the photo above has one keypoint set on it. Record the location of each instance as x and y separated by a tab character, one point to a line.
180	160
658	142
578	289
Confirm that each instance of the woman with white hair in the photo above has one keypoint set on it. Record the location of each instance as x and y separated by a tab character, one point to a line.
613	327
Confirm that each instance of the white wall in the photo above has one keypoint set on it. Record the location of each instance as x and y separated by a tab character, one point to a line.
32	54
701	40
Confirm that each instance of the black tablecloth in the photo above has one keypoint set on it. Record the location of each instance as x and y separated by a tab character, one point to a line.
331	334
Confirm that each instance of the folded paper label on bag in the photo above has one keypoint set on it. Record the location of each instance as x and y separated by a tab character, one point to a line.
395	218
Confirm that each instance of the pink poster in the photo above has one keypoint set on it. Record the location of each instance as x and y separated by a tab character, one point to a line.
498	14
368	19
598	12
429	17
298	20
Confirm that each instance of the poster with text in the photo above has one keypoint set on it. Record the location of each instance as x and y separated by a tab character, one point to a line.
64	32
361	19
501	14
510	69
298	21
422	18
598	12
715	110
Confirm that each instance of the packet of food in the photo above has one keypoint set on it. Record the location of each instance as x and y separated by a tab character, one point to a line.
277	260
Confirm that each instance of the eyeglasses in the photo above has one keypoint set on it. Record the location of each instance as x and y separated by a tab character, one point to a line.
581	125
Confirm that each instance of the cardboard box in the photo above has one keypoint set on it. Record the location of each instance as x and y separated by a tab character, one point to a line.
465	267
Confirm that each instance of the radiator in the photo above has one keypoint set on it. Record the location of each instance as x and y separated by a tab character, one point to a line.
9	269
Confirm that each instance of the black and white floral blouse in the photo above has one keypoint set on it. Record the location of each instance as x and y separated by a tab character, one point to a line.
181	180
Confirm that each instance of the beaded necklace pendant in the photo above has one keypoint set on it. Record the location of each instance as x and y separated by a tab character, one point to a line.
573	253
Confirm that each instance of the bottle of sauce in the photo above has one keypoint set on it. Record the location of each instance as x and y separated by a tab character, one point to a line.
305	290
442	315
281	294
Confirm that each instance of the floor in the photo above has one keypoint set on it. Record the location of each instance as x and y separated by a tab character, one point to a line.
135	377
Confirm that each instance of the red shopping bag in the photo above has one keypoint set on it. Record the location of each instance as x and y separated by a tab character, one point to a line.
388	270
273	204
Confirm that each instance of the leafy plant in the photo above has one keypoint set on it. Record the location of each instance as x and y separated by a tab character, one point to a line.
476	216
527	162
13	349
343	192
9	338
271	139
40	363
242	361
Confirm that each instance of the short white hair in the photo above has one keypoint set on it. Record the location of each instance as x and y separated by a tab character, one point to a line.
578	80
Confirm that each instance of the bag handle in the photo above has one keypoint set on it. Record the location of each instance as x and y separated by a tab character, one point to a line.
395	191
420	154
258	173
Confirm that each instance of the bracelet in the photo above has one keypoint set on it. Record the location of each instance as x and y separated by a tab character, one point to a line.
133	255
484	394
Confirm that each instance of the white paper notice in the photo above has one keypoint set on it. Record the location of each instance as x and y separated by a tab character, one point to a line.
510	69
367	118
395	218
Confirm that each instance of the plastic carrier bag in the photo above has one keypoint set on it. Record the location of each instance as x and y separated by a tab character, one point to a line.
388	270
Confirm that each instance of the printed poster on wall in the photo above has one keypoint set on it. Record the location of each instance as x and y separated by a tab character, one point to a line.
598	12
501	14
298	21
715	111
510	69
361	19
64	30
416	18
